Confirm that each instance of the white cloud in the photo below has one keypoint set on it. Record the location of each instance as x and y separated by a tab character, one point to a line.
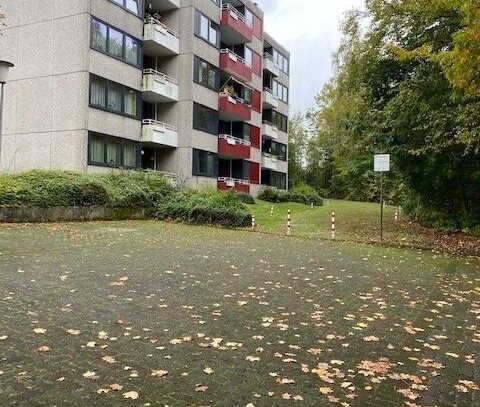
310	30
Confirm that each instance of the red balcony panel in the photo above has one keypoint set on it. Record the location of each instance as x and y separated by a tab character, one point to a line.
254	173
225	184
229	147
257	27
234	28
257	64
256	100
255	136
233	109
235	66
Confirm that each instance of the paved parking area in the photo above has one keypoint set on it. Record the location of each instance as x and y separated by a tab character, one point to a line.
154	314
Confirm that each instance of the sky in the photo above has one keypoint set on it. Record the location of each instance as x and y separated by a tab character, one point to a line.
310	29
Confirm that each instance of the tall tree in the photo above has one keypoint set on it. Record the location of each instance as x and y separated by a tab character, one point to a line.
407	86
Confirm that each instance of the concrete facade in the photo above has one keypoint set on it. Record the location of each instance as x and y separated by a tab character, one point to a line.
56	117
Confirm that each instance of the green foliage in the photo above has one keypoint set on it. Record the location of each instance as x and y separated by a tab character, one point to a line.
408	85
305	190
304	195
206	206
245	198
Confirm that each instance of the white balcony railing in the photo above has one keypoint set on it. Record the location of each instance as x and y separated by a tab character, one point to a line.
234	140
269	161
269	130
269	99
156	132
159	40
158	87
270	65
235	13
234	57
231	182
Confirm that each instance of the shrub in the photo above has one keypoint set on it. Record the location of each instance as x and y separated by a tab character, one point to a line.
308	192
204	207
245	198
304	195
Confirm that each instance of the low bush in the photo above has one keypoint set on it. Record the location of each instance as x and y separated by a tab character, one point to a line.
301	195
206	206
245	198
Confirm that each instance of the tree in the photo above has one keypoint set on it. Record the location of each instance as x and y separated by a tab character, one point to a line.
297	144
408	85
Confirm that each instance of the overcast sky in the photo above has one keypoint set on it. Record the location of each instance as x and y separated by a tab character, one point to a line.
310	30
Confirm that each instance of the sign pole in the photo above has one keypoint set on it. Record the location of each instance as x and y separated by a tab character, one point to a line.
381	206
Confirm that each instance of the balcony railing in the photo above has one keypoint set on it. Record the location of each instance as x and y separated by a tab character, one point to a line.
270	65
156	132
235	65
269	161
270	101
159	40
269	130
235	29
238	185
159	87
233	108
232	147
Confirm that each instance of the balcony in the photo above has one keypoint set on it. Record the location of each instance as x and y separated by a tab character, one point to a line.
159	40
158	87
230	147
159	134
269	65
231	108
235	65
234	28
238	185
164	5
270	101
269	162
269	131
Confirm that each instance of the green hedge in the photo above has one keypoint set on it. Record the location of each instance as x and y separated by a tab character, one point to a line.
301	195
131	189
206	206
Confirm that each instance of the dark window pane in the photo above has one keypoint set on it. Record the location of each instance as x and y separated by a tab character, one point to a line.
96	149
114	97
131	50
115	43
99	35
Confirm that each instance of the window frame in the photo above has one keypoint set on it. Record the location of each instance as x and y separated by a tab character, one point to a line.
124	7
123	58
211	25
215	120
197	61
196	160
276	87
122	142
105	108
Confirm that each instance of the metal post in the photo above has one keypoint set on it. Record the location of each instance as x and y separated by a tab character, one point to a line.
253	222
381	205
271	210
396	216
289	222
333	226
2	89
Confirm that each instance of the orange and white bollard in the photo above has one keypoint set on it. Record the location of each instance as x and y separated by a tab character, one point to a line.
289	222
333	225
396	216
311	205
253	222
271	210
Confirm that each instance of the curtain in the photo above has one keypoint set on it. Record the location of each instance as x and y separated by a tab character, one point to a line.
130	102
133	6
130	154
96	149
114	97
97	92
115	43
131	50
114	153
99	35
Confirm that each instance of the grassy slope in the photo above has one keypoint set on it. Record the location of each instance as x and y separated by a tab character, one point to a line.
354	220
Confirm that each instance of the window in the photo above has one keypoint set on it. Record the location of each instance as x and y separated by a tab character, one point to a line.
248	17
277	149
99	35
280	91
205	164
277	119
248	56
217	2
205	119
134	6
207	29
116	43
113	97
281	61
206	74
111	151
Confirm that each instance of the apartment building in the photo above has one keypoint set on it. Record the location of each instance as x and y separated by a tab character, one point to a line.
192	88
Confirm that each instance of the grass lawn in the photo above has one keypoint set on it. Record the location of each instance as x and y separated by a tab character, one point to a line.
151	314
357	221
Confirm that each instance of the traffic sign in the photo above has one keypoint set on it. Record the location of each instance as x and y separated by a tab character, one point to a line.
382	163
